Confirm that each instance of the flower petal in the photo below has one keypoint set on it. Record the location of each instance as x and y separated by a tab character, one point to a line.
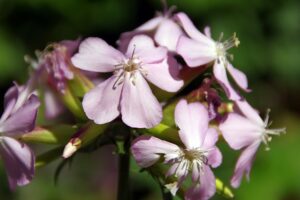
53	106
239	77
211	138
244	164
148	150
215	157
23	119
18	161
221	76
191	30
195	53
249	112
143	47
167	34
192	120
206	189
151	24
160	75
239	131
139	107
96	55
101	104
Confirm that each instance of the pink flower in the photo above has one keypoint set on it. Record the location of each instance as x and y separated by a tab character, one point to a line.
162	28
246	130
195	158
19	117
201	49
126	91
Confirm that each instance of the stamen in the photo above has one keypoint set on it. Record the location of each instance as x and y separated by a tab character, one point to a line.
233	41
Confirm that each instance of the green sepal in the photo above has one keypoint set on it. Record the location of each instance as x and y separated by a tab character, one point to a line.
164	132
80	85
58	134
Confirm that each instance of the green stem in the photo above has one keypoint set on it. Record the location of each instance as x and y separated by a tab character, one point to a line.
124	166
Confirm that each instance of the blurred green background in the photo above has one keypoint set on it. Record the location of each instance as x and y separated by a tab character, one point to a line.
269	31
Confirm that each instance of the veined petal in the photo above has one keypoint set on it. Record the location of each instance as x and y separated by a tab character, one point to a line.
205	189
239	131
96	55
192	120
18	161
144	48
221	76
191	30
244	164
101	104
167	34
239	77
160	75
139	107
23	120
195	53
147	150
249	112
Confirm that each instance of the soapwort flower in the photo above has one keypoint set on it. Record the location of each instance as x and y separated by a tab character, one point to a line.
163	29
195	158
199	49
246	130
52	70
126	91
18	119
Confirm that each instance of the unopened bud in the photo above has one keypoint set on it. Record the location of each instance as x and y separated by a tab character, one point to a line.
71	147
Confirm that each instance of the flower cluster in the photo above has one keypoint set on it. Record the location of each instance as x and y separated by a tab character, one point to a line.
91	85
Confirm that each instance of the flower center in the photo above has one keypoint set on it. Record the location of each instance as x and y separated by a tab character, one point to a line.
268	133
131	66
222	47
187	160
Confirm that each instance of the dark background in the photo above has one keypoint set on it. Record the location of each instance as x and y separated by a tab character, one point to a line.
269	31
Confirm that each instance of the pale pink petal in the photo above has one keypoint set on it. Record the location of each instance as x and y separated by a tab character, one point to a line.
192	120
96	55
191	30
221	76
207	31
244	164
211	138
239	131
54	106
195	53
214	157
23	119
249	112
239	77
172	169
139	107
101	104
160	75
205	189
18	161
196	171
143	47
148	150
151	24
167	34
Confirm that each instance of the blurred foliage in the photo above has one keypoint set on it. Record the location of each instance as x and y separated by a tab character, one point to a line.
269	54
